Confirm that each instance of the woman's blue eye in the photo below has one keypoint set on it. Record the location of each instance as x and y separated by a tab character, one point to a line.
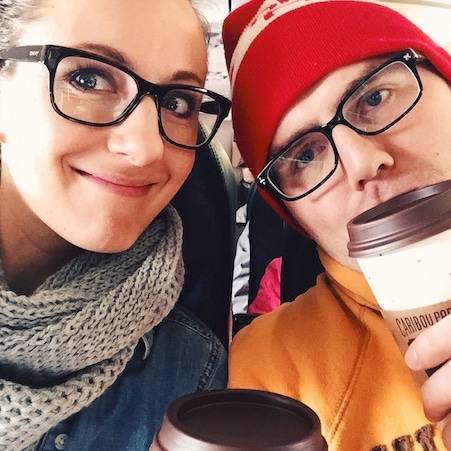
89	80
85	80
179	105
374	99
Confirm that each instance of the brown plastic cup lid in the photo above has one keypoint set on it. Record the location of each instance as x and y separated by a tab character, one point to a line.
240	420
403	220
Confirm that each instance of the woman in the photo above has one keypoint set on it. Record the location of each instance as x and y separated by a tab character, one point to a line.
98	128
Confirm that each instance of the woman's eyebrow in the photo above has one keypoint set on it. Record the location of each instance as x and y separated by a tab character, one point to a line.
107	51
118	57
184	75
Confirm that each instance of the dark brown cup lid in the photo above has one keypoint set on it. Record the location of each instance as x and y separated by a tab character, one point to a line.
239	420
403	220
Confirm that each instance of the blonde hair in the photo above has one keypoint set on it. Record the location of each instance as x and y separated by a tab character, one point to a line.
15	14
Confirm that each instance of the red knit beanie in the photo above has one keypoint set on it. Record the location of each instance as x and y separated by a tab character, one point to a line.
277	49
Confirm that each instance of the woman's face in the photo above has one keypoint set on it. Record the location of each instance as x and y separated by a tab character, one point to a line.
97	187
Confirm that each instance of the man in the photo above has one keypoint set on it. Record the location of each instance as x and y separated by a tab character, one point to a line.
382	88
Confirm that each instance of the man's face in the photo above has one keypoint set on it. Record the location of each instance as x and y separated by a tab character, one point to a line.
413	153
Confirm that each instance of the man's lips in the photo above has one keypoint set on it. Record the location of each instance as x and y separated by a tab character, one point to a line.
375	197
118	185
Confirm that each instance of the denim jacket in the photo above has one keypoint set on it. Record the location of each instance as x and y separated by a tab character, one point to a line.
179	356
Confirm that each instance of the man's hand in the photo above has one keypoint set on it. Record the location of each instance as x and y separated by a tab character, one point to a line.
430	349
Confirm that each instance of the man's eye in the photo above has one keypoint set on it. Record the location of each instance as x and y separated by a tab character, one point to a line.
300	159
374	98
306	156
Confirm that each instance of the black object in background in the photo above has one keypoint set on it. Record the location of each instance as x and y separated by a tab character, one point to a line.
207	205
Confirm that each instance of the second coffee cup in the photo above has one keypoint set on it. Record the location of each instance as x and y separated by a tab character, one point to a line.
239	420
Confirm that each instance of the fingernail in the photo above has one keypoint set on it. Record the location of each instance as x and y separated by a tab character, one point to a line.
411	358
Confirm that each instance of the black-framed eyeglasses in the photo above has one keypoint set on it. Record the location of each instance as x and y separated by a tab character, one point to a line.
377	103
90	89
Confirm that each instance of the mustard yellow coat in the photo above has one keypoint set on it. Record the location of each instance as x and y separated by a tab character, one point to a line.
331	349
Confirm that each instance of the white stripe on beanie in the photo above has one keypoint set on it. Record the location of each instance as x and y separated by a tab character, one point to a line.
269	11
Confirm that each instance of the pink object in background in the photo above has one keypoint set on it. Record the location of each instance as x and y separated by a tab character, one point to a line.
268	294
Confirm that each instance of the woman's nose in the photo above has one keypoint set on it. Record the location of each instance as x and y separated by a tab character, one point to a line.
362	158
138	138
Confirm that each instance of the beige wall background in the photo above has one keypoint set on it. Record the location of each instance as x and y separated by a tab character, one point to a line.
433	17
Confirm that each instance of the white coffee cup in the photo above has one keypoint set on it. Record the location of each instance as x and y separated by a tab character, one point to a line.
403	247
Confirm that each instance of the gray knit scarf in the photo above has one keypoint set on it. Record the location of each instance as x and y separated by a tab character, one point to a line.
77	331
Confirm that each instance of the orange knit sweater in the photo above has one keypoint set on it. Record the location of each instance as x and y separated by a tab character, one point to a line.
331	349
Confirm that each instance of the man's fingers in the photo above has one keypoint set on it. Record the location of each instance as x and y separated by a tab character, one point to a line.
436	393
446	433
432	347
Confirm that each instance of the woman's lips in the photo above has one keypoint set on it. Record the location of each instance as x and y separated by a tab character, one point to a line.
118	186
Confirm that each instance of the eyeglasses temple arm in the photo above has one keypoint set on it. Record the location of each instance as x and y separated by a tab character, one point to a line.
29	53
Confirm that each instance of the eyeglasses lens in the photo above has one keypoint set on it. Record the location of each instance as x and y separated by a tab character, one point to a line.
304	164
92	91
383	98
181	112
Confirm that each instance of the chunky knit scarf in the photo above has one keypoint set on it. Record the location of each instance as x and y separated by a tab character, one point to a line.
75	334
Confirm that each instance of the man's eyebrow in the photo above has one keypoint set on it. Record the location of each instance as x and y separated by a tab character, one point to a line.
274	150
118	57
364	71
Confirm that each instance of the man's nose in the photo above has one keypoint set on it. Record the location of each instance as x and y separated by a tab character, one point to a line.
138	138
362	158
